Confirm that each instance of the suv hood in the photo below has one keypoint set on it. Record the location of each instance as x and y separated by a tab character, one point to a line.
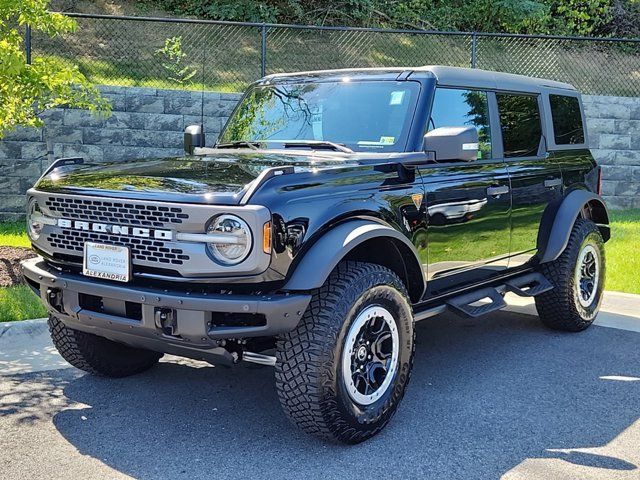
220	178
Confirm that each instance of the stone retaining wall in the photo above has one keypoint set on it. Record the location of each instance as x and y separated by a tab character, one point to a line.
613	124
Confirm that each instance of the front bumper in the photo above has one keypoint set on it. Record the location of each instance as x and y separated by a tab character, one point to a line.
134	315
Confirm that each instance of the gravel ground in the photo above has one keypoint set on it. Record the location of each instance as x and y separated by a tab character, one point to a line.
499	397
10	258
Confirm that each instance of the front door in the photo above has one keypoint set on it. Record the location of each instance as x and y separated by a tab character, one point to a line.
467	203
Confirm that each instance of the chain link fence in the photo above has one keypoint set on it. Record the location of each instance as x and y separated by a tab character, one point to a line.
227	56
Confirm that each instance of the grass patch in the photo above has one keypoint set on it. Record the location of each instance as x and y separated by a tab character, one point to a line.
132	74
623	260
17	302
20	303
14	234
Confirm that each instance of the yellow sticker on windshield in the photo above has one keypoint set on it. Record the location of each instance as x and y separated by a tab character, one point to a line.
387	140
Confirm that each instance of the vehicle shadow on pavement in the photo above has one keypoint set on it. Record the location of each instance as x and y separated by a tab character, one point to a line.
485	395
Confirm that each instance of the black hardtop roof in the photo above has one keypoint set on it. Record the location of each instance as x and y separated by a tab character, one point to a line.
449	76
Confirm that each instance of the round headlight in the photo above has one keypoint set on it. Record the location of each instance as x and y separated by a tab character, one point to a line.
34	220
232	241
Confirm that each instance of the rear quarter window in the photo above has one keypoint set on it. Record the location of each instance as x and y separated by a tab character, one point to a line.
567	120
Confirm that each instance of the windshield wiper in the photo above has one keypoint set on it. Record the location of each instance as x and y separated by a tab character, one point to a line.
240	144
320	144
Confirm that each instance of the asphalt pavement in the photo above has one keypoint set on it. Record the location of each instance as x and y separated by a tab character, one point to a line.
499	397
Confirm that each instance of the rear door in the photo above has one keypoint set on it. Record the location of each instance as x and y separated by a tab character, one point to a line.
468	203
536	179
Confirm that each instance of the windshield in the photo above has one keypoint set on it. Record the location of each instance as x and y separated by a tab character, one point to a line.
363	116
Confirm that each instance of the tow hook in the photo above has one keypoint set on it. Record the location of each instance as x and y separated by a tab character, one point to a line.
166	321
54	297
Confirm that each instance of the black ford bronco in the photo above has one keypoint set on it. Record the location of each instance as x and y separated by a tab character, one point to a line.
336	209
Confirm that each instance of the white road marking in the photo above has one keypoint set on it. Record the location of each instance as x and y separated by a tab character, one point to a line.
620	378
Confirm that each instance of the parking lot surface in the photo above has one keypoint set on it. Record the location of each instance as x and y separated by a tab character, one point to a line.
501	397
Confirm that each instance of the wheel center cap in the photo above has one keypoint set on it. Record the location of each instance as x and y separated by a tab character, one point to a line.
362	353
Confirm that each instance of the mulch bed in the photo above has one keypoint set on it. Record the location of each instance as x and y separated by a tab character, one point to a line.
10	258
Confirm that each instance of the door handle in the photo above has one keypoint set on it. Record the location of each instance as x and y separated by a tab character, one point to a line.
553	182
497	191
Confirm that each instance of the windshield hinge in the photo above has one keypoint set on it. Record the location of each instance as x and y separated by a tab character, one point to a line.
404	75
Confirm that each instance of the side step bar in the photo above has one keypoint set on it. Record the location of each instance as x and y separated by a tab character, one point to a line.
467	304
528	285
490	299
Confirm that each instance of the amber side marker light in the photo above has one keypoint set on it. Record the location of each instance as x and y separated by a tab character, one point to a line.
266	237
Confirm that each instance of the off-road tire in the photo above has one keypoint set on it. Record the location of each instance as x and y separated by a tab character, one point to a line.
559	308
98	355
309	375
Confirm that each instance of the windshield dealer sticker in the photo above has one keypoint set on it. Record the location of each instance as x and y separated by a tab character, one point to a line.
396	97
316	123
387	140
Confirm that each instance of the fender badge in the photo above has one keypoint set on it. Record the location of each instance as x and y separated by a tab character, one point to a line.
417	200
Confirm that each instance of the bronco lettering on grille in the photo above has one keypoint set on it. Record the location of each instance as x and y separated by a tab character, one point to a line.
115	229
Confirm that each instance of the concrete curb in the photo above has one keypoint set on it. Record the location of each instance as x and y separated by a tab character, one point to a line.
26	347
30	328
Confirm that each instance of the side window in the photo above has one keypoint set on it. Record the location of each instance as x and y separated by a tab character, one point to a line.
567	121
520	124
458	108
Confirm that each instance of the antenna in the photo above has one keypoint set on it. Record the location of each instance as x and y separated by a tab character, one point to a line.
202	91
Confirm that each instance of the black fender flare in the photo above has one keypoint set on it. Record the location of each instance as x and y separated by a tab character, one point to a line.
565	217
325	254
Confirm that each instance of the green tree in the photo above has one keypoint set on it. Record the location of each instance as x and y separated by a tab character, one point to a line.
26	90
581	17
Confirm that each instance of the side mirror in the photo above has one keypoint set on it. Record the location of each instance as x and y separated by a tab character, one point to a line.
453	143
193	138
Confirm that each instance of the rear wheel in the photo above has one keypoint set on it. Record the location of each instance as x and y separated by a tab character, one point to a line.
578	279
342	372
98	355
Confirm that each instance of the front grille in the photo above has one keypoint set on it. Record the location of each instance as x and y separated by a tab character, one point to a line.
108	211
154	252
144	250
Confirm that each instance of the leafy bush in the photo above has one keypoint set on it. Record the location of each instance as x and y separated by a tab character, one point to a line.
571	17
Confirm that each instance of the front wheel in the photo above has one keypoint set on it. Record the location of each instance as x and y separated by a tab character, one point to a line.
578	279
342	372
